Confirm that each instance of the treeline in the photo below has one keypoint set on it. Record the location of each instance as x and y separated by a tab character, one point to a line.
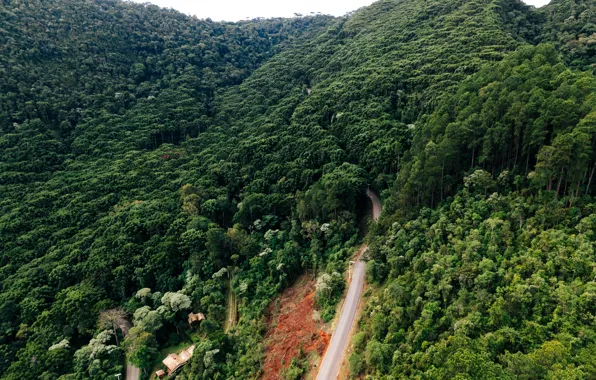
489	285
68	68
528	117
487	271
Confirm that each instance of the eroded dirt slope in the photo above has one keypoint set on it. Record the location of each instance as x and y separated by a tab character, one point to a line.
293	326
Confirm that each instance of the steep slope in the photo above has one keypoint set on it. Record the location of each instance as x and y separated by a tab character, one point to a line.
148	157
497	280
90	93
370	75
570	24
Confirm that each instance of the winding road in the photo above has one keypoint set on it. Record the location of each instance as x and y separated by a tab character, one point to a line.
334	355
339	341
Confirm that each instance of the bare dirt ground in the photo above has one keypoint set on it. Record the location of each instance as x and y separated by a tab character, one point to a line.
292	327
232	309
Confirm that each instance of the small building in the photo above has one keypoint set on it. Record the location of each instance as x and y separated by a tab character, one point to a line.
172	362
198	317
175	361
160	374
186	355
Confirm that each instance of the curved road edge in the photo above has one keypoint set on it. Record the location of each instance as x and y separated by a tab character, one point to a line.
335	353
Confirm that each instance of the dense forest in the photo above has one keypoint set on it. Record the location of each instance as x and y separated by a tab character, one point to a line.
154	163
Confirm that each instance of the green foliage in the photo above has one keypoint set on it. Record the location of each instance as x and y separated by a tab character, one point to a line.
97	360
296	370
485	286
357	364
528	111
571	25
329	290
150	160
97	101
336	191
140	347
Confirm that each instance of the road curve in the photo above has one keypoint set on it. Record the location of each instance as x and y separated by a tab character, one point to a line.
334	355
376	202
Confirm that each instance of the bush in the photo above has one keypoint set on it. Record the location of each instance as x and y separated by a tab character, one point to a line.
329	290
356	364
295	371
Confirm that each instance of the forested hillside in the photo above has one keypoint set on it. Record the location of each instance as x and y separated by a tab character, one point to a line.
104	109
570	25
153	162
497	280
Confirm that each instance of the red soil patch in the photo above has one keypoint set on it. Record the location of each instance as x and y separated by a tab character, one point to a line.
291	327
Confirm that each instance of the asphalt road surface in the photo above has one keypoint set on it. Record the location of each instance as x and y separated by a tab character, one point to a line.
132	372
334	355
376	211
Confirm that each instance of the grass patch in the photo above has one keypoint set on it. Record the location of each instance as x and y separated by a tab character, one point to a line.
173	349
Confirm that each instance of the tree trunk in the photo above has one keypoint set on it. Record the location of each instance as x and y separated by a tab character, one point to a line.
590	180
442	177
573	196
115	334
559	184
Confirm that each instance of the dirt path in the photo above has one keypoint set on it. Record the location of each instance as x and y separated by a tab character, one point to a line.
232	308
334	355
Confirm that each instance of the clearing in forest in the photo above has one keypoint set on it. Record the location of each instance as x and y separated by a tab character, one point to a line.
293	326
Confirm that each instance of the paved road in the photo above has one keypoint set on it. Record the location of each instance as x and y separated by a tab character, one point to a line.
334	355
132	372
376	211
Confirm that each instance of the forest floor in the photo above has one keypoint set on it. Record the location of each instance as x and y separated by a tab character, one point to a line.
294	329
